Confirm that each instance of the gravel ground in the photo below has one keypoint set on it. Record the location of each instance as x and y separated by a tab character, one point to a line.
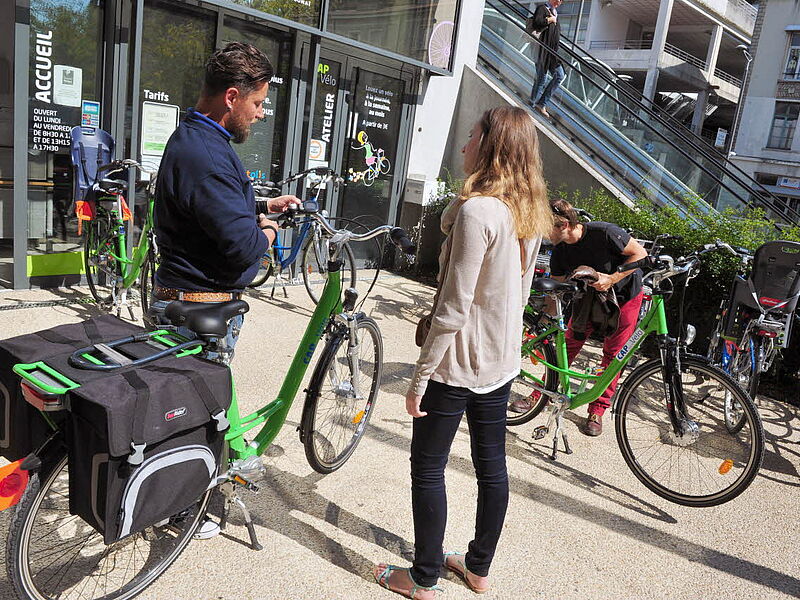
582	527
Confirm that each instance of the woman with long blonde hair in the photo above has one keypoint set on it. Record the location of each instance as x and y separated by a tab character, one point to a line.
472	351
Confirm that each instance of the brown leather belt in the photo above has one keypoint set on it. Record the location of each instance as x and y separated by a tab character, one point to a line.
172	294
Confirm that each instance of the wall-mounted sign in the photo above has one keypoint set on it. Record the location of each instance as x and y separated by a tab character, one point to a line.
158	123
789	182
90	114
67	85
722	135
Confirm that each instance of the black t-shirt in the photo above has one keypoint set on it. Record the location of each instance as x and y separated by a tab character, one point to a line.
600	247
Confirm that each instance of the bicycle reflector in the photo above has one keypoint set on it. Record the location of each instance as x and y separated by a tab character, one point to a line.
13	481
40	399
772	302
766	333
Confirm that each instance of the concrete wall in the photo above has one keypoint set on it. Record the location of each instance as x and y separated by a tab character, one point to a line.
606	23
477	96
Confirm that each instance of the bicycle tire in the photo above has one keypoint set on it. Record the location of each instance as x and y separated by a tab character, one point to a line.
312	264
340	403
147	282
28	585
747	445
265	269
521	388
742	373
98	231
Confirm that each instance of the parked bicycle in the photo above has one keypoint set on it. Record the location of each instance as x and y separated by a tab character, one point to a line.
669	412
754	322
110	272
52	553
310	243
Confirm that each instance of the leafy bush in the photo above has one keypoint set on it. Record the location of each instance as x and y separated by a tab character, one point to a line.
748	229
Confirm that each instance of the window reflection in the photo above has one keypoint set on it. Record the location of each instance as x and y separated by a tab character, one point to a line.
418	29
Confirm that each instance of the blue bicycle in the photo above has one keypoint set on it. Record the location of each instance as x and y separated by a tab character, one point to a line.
310	243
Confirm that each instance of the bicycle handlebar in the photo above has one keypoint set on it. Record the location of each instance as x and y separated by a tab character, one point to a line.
118	165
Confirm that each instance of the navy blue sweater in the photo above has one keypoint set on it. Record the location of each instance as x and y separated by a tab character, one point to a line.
204	215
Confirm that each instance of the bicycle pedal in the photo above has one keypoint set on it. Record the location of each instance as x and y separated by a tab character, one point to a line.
249	469
540	431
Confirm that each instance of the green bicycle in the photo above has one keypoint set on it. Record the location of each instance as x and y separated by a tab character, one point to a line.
669	411
110	272
54	554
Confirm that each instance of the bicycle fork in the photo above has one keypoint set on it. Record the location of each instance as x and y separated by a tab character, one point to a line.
684	430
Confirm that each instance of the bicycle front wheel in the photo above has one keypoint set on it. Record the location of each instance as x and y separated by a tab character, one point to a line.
265	268
314	264
341	395
52	554
147	282
703	465
101	267
525	402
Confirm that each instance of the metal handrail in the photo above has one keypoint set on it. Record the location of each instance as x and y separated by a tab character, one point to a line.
727	77
685	56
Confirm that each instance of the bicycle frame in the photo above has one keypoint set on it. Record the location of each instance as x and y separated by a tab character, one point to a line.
655	321
296	246
273	415
131	266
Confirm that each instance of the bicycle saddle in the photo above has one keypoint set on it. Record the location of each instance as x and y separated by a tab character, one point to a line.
546	285
205	318
110	186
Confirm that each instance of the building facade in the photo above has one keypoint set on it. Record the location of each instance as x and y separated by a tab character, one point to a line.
766	145
346	88
685	54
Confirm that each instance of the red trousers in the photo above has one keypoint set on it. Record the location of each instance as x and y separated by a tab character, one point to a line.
628	317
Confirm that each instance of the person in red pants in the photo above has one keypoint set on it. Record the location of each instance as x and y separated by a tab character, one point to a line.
604	247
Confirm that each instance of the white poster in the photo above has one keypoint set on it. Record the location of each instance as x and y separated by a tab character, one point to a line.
158	123
67	85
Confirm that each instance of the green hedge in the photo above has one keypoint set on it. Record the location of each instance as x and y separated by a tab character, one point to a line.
748	229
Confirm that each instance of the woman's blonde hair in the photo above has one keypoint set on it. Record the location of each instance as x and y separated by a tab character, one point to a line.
509	167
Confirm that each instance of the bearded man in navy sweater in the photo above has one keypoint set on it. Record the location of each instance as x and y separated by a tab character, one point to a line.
209	239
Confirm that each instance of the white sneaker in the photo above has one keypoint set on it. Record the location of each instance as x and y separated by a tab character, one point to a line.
207	530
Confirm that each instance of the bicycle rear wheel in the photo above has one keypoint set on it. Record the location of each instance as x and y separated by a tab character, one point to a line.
341	395
745	371
314	264
706	465
51	554
101	268
525	402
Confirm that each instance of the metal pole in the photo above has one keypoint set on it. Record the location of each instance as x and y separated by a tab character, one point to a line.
749	58
578	23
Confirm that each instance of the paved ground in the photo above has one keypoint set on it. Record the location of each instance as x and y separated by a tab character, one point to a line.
579	528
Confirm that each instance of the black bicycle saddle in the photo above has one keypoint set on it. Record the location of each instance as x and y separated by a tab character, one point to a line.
205	318
545	285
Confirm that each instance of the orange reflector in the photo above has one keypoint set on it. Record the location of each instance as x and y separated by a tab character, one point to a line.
726	466
359	415
13	482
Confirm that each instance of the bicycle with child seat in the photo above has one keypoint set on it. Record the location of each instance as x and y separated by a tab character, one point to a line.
110	272
310	243
52	554
669	412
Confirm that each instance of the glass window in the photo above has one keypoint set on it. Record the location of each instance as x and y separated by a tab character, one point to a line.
783	125
300	11
65	72
419	30
573	16
262	154
792	70
176	42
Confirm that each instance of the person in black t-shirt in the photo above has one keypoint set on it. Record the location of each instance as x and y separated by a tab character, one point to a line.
604	247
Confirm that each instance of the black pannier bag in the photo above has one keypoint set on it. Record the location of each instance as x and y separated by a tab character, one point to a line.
22	427
145	443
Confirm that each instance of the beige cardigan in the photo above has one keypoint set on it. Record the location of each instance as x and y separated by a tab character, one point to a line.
476	331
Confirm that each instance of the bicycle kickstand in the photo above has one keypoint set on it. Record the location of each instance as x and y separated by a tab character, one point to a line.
231	497
560	430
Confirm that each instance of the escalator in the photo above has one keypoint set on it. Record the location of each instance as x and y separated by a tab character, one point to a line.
640	147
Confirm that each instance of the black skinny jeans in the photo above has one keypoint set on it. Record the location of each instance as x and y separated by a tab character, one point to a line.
430	446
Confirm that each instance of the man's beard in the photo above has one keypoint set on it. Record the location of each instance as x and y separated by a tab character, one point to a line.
239	129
